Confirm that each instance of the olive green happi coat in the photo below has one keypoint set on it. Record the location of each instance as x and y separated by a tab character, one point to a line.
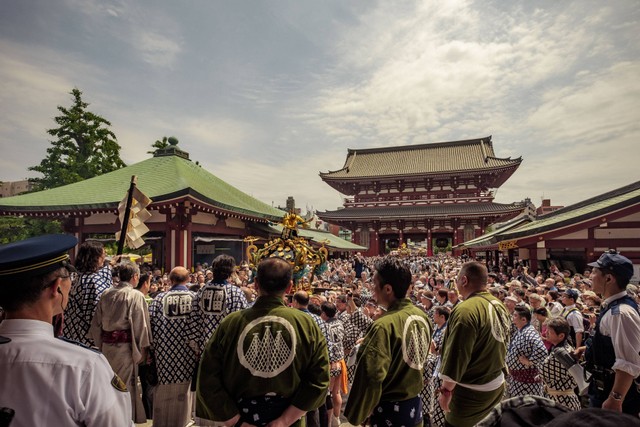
473	352
390	360
268	348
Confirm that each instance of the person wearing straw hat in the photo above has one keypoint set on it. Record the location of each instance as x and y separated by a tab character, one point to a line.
46	380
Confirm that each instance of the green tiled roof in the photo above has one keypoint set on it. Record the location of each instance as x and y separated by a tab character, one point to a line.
490	237
582	211
456	156
591	208
160	178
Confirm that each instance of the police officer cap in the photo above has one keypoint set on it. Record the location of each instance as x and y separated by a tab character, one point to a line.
35	256
572	293
613	261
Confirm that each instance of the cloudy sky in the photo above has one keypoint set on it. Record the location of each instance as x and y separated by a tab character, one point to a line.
267	94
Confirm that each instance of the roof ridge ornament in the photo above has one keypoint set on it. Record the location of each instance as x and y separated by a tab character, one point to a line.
171	150
355	153
484	151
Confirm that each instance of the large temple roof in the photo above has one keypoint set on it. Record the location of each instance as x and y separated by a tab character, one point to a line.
162	178
437	158
444	210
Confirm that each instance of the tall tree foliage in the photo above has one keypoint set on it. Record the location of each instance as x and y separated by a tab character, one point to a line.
83	147
13	229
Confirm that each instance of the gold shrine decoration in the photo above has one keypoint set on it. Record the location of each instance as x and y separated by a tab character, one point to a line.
296	250
508	244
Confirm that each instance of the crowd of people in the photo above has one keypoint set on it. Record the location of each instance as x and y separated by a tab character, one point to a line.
380	340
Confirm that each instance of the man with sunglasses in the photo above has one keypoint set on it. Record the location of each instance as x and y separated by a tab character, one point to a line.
612	356
45	380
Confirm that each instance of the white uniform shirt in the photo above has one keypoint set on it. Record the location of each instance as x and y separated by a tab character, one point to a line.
574	318
48	381
623	327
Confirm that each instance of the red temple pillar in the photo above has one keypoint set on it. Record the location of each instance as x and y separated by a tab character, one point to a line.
533	260
178	238
169	244
374	243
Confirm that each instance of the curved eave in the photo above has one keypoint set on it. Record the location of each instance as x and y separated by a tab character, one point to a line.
512	166
508	171
56	210
327	215
328	174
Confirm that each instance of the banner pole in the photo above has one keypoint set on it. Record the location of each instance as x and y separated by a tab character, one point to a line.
125	221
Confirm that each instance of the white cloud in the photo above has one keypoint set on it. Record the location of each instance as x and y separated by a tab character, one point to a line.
297	177
597	107
556	84
157	49
154	35
29	93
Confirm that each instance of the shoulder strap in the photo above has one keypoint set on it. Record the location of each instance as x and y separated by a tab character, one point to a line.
567	313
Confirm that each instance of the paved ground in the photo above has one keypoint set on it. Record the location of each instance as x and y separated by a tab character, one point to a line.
149	423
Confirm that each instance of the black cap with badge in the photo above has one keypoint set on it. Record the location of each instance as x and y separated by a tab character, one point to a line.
613	261
35	256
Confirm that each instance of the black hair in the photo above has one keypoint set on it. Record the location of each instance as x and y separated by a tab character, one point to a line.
143	278
443	311
621	279
274	275
523	312
329	309
222	267
21	293
89	253
560	326
395	273
315	309
542	311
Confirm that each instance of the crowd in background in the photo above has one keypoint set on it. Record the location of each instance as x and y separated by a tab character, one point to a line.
341	297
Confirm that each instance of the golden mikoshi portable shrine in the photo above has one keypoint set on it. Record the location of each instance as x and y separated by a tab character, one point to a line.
305	260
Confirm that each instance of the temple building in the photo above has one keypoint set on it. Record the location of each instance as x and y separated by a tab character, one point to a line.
434	196
569	237
195	215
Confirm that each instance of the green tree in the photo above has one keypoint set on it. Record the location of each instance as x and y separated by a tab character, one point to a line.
84	147
13	229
